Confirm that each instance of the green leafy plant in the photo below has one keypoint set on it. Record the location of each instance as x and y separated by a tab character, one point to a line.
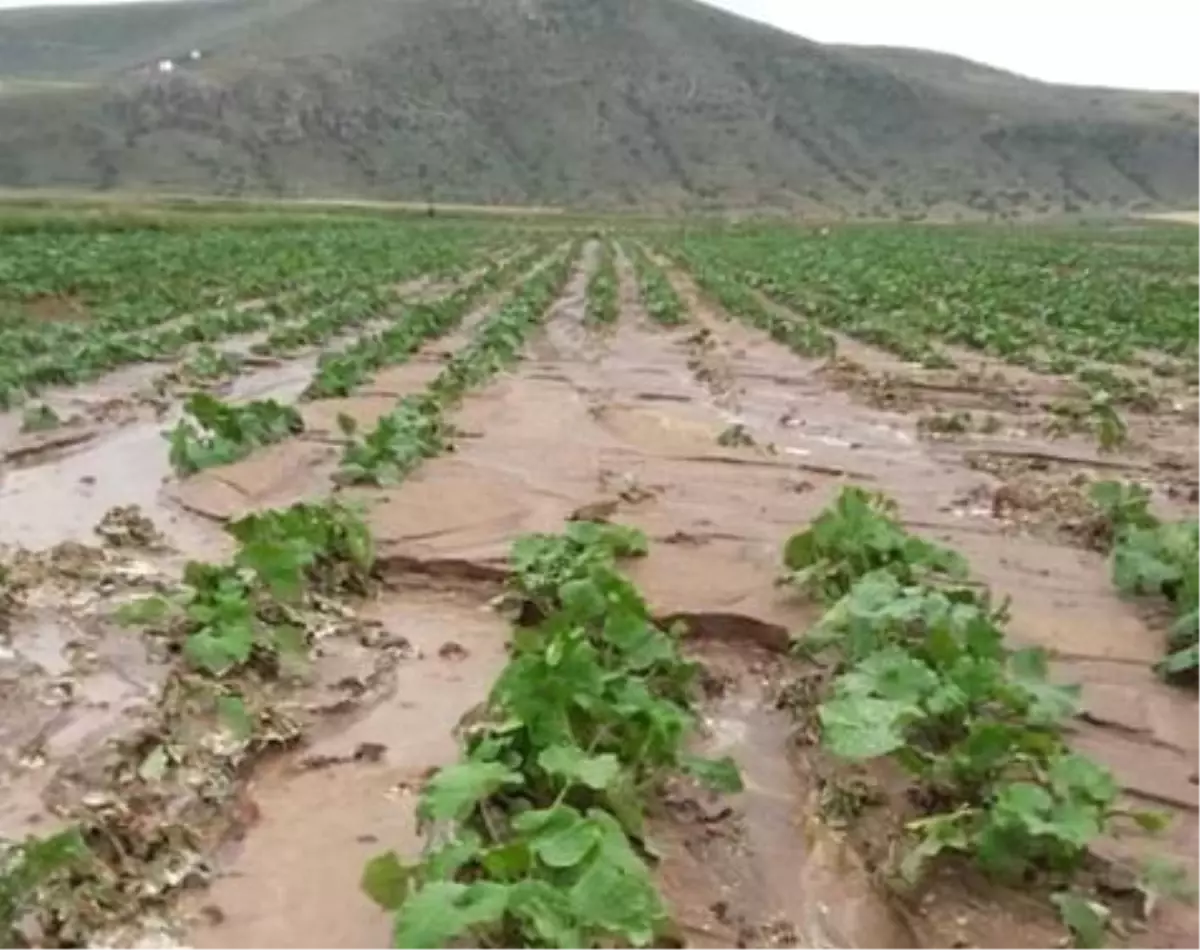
209	365
214	433
662	303
923	676
29	866
325	546
1112	433
223	614
400	441
1153	558
602	290
857	535
535	837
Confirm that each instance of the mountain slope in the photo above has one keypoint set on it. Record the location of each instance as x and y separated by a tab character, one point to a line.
572	101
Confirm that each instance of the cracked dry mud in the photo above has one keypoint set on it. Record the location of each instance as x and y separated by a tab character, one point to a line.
625	424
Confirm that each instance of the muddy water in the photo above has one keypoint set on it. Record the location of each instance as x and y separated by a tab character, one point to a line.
302	468
635	425
631	425
64	497
569	408
67	685
293	881
55	486
763	854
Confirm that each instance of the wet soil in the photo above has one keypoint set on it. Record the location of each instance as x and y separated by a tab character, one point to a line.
719	444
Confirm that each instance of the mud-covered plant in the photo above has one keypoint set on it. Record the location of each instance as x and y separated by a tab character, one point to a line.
948	424
208	365
858	534
1112	433
536	837
26	868
215	433
399	442
39	418
1123	505
223	614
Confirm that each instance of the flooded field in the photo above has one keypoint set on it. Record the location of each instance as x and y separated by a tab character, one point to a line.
341	554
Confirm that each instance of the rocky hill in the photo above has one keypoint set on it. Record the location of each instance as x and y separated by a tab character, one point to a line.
661	103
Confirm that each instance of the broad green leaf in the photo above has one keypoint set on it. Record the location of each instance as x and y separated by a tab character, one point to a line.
582	599
560	836
572	763
1072	774
218	650
456	789
385	880
546	910
1087	920
233	714
145	611
442	911
154	766
859	727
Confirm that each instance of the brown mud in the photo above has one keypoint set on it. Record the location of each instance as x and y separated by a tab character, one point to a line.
718	443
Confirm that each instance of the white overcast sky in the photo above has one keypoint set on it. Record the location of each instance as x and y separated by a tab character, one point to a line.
1144	44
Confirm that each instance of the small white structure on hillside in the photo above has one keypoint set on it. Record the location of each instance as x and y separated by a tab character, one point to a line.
166	66
194	55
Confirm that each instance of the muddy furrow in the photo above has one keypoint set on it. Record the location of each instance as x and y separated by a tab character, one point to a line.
301	468
993	407
131	392
327	819
1062	597
590	425
59	485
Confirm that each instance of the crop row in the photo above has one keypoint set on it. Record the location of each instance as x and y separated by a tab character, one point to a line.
536	837
347	299
922	676
212	433
908	291
1153	558
237	626
661	302
716	278
602	290
416	428
155	323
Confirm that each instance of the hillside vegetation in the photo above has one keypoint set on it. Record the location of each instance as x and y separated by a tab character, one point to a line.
609	102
